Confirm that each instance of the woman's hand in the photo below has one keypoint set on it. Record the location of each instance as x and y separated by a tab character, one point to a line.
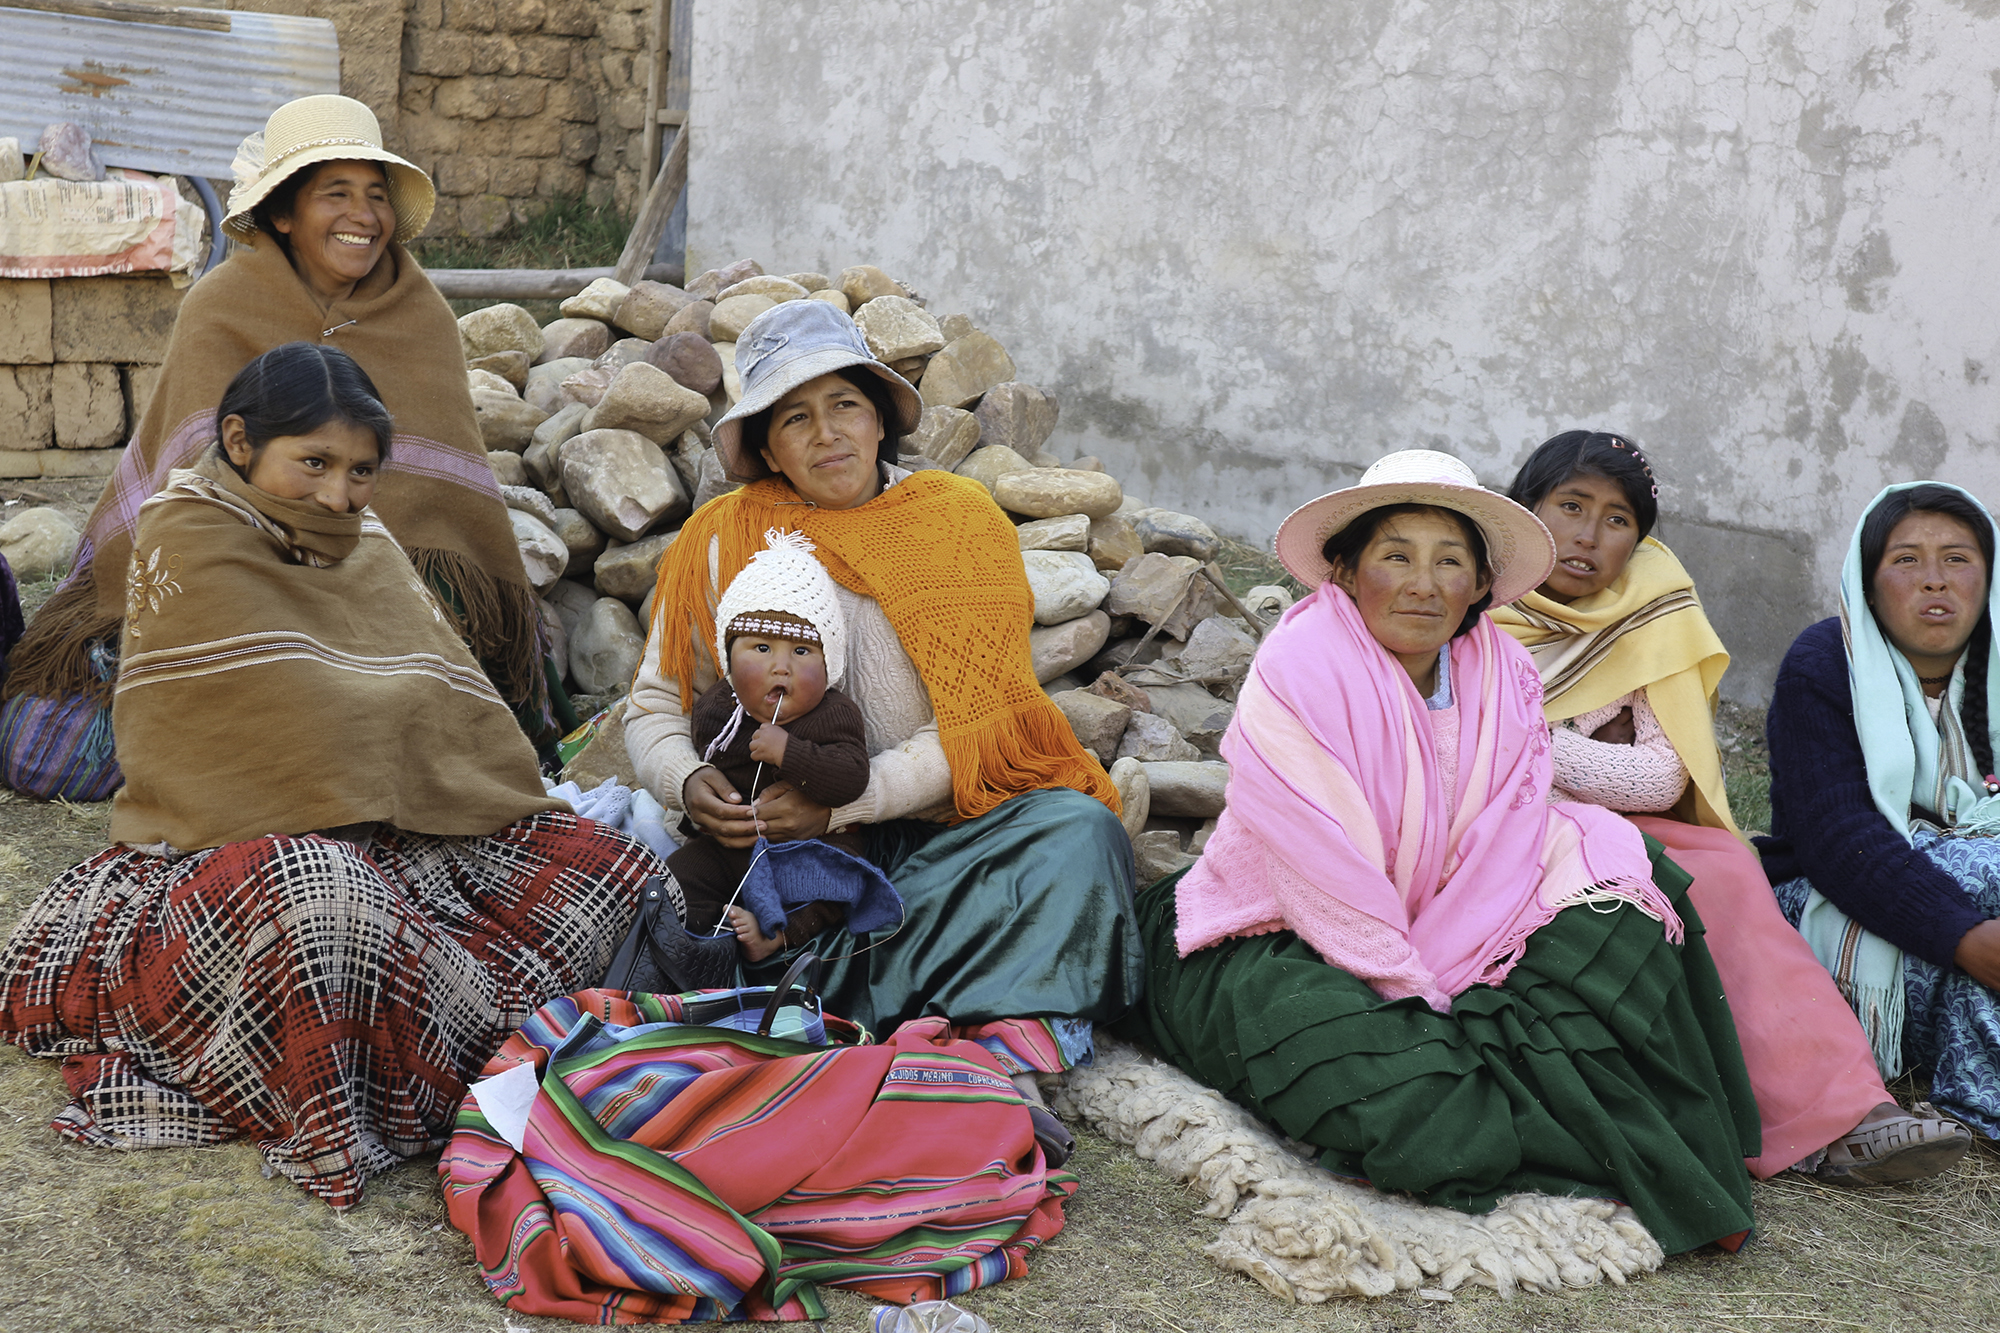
1978	953
788	815
717	808
1618	731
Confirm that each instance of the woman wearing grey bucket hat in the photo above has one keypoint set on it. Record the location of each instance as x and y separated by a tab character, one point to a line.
1394	946
997	828
324	212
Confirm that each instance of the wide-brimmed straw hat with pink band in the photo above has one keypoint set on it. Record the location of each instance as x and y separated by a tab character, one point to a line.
1518	547
307	131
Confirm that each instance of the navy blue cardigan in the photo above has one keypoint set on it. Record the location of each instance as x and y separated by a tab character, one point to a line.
1824	824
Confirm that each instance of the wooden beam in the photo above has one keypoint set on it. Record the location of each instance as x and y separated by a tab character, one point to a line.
656	77
516	284
651	223
128	11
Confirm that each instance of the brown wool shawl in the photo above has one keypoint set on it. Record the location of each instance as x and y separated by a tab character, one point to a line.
437	492
284	669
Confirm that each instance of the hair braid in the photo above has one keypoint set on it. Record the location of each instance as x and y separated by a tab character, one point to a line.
1972	712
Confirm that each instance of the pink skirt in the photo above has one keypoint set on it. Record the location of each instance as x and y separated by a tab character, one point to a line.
1809	1062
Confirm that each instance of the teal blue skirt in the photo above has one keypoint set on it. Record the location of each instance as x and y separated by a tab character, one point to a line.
1024	912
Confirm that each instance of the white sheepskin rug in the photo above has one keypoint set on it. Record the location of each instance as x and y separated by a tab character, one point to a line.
1308	1235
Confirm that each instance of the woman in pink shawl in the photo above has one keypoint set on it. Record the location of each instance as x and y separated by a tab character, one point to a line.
1394	947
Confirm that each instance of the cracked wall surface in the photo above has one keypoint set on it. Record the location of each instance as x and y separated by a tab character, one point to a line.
1252	248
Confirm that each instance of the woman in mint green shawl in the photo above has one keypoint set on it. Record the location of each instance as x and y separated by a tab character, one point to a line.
1883	803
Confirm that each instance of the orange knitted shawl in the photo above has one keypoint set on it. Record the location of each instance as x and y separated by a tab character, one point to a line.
944	564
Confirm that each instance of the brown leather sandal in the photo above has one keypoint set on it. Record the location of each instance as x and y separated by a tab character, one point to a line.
1890	1152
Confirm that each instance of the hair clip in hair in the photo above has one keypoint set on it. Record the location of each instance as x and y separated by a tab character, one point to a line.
1992	785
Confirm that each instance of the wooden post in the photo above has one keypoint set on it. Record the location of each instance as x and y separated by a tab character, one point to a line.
651	223
656	78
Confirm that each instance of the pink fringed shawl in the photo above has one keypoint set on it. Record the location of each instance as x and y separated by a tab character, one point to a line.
1337	826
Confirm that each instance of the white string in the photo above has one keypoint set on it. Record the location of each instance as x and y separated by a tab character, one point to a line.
755	777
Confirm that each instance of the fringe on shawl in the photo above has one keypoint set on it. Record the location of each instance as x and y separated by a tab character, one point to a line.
52	660
499	622
1006	751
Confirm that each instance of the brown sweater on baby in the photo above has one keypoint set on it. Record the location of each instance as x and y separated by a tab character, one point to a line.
826	758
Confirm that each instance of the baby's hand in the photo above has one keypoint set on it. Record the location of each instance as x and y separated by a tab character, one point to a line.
767	746
755	944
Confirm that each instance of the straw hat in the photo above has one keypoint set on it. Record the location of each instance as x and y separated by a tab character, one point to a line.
786	346
1518	547
308	131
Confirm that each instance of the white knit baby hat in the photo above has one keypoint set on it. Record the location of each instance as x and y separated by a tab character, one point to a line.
785	576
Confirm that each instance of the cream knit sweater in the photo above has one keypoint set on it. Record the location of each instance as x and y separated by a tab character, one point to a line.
908	775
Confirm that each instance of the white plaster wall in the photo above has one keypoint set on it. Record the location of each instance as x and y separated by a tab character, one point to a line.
1251	247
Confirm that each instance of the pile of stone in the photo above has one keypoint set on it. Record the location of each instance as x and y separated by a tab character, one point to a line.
598	430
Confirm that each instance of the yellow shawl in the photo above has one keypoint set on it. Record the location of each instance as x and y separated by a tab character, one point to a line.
944	564
283	670
1646	631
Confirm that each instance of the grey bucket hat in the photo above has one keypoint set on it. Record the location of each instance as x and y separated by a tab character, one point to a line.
787	345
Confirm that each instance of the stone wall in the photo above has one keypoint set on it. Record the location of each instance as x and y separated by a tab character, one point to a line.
1251	248
503	102
78	357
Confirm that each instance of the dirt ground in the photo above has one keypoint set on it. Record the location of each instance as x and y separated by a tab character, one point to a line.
199	1239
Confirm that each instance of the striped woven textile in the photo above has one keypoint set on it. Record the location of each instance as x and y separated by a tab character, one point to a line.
331	1002
673	1173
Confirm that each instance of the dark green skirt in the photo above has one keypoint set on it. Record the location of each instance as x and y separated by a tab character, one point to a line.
1024	912
1606	1064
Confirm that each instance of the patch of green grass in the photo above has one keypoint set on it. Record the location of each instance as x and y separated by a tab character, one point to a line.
565	232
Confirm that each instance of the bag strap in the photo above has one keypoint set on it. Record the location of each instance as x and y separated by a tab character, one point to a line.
652	896
805	963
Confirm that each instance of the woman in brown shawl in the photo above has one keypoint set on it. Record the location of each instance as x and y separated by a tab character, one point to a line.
325	213
339	882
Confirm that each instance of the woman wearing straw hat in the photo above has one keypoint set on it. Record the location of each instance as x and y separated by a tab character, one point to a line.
996	827
1394	946
325	212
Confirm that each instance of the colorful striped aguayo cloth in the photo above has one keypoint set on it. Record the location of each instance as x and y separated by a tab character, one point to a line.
666	1173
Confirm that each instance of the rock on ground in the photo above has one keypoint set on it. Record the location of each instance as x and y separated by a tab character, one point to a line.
499	328
1114	543
630	572
945	435
779	290
605	647
1218	649
646	399
542	552
38	543
1187	790
1171	533
544	447
1197	715
690	359
545	381
731	317
1051	492
1152	739
621	482
987	466
1071	532
1157	854
529	501
863	283
1017	415
966	368
897	327
1134	796
582	539
511	366
1065	584
600	301
1098	722
605	756
507	467
506	424
648	308
1059	648
693	318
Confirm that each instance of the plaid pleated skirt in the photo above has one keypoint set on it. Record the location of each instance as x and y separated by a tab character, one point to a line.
329	1000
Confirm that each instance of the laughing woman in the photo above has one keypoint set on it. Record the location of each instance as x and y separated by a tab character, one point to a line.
322	213
1884	807
1630	667
1395	948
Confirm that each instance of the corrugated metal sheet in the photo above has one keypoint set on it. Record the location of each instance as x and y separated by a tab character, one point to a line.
156	97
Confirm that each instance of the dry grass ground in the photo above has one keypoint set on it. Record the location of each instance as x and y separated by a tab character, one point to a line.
187	1240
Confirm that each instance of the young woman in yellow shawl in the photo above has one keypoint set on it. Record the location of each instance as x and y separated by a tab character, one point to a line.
1629	668
999	831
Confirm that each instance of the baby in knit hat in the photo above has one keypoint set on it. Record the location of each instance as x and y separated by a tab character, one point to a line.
775	714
